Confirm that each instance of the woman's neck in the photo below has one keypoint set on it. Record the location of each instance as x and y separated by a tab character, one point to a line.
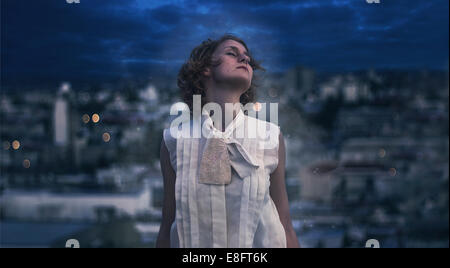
221	97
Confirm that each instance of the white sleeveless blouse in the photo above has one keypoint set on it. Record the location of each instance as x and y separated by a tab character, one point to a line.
237	215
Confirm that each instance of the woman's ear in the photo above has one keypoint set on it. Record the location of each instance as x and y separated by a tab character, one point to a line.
207	72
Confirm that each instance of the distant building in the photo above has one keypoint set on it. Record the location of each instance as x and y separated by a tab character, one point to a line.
348	183
80	206
316	184
65	125
149	94
61	122
61	116
299	82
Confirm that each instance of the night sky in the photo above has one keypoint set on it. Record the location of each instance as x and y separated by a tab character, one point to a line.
102	39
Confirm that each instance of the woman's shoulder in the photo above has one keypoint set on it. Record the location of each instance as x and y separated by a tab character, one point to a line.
170	135
179	129
171	144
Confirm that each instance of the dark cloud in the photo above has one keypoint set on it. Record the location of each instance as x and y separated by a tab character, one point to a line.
54	40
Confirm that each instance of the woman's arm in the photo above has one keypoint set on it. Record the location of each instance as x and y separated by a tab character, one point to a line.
168	213
279	195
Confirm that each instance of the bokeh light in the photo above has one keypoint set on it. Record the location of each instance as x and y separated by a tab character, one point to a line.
106	137
392	171
95	118
257	106
273	92
16	144
6	145
86	118
26	163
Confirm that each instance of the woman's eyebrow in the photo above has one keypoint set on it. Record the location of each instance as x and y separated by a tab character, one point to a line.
235	49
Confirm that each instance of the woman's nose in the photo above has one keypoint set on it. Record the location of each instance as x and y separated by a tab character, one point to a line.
243	59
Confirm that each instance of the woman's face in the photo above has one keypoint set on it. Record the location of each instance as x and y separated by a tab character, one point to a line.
234	68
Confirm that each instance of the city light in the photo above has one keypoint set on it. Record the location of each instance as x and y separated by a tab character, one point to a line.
392	171
257	106
95	118
16	144
26	163
273	92
106	137
6	145
86	118
65	87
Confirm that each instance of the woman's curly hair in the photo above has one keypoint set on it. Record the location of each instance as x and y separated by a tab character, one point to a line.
191	72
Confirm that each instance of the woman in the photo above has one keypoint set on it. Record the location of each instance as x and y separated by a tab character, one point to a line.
221	191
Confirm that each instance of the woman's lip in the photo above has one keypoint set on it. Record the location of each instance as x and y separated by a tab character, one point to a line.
242	68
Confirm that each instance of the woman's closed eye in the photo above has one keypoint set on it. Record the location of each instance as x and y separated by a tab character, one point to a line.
248	60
